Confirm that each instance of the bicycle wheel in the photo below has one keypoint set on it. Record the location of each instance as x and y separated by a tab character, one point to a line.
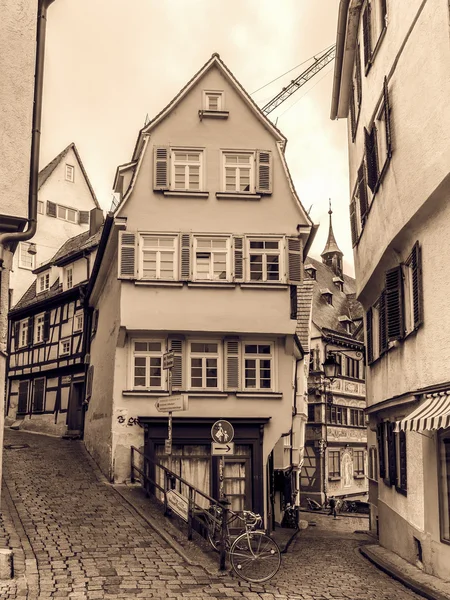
214	535
255	556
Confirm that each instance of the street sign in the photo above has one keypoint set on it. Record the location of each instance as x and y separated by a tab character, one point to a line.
222	431
172	403
168	359
222	449
178	503
168	447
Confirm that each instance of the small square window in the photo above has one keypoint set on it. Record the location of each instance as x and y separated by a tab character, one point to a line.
64	347
27	260
213	100
70	173
78	323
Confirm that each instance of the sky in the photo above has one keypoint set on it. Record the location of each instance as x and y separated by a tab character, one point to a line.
110	63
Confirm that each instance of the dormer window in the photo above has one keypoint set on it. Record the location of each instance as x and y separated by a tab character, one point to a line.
310	271
68	278
339	283
346	323
70	173
213	101
43	283
327	296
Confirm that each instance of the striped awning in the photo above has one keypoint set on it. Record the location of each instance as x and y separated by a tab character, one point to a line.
433	413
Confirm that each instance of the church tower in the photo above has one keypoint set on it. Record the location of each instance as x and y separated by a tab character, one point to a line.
332	256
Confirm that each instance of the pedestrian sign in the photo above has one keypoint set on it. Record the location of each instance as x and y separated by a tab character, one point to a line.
222	431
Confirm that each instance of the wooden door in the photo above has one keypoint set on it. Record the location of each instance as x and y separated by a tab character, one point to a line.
75	410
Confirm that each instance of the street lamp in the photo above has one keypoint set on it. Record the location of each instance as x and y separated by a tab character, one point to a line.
331	367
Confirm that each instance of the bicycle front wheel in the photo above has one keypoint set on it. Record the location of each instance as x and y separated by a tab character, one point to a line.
255	556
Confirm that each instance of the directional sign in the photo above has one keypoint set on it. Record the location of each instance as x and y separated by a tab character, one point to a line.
178	503
168	359
222	431
222	449
172	403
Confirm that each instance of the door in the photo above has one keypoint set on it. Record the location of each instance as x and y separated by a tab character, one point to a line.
237	479
75	411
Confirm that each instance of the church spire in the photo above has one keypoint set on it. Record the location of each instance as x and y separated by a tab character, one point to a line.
331	255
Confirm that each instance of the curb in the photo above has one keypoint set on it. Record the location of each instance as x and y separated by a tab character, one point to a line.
419	588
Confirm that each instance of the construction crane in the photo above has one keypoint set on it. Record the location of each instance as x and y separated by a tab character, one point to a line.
320	62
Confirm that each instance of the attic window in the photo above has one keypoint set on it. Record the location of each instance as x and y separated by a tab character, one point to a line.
213	105
43	282
327	295
346	323
310	270
339	283
70	173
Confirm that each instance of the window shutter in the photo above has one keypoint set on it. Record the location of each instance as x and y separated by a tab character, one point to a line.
392	458
89	381
84	217
295	262
51	209
369	330
38	395
238	251
46	327
176	346
30	331
185	253
352	111
362	192
403	482
263	172
387	118
367	37
381	456
127	262
417	294
394	303
371	158
161	168
382	326
16	334
294	302
232	371
22	404
353	224
358	74
94	322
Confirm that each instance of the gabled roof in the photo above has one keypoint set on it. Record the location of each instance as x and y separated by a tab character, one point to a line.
45	173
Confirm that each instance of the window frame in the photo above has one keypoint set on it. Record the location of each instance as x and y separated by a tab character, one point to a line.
158	250
38	335
148	355
358	460
258	358
66	209
40	207
173	163
264	252
69	173
23	249
77	318
68	277
45	279
207	94
334	459
33	392
252	177
204	356
62	342
23	334
212	251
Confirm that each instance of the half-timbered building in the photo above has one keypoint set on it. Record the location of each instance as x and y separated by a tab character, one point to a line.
46	341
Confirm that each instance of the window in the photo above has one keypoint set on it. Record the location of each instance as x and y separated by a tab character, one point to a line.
43	282
26	259
336	415
264	262
38	400
64	346
39	322
158	257
356	93
311	413
187	170
373	464
147	364
444	485
68	277
392	456
213	100
358	463
258	366
334	464
79	320
23	333
67	214
239	171
70	173
22	405
400	456
352	367
204	360
40	207
212	258
357	417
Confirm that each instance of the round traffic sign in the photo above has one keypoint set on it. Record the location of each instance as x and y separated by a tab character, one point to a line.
222	431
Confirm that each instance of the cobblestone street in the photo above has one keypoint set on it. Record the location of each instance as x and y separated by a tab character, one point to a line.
75	537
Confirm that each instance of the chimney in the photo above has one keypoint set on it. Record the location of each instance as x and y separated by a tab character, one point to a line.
95	220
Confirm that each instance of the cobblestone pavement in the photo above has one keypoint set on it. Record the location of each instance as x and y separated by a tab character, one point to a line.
79	539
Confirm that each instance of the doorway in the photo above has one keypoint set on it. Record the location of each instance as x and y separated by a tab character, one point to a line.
75	409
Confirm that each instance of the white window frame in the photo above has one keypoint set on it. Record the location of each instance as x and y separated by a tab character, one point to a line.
62	344
252	177
40	207
174	162
209	94
212	252
68	278
23	250
264	252
60	207
43	282
158	249
39	328
258	357
204	356
78	321
22	342
70	173
147	354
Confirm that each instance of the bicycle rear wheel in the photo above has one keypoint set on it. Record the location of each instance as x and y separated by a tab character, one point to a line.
255	556
214	534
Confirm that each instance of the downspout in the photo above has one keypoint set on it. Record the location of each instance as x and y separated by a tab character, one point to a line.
35	134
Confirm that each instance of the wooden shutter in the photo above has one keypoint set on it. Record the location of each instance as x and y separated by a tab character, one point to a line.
22	405
84	217
295	262
89	381
16	335
185	254
382	324
232	371
394	303
238	252
38	395
46	327
94	322
30	331
362	193
293	301
352	111
370	141
51	209
263	172
392	454
387	118
176	346
402	476
127	258
161	168
353	223
358	74
369	330
417	293
381	455
367	35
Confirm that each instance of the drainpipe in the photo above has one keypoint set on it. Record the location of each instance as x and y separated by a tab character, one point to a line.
6	238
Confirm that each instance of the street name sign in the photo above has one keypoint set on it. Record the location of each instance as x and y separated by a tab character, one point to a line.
168	359
222	432
168	447
178	503
222	449
172	403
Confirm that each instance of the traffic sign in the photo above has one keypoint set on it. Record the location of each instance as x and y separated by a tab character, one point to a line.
168	360
222	431
172	403
222	449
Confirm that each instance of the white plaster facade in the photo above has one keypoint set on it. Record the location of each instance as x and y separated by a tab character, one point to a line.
409	62
190	309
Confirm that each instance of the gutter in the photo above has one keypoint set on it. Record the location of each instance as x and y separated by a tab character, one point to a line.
340	40
35	135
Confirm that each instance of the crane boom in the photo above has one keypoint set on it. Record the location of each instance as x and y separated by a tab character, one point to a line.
297	83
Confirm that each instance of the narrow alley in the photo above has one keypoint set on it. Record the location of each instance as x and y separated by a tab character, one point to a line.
75	537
